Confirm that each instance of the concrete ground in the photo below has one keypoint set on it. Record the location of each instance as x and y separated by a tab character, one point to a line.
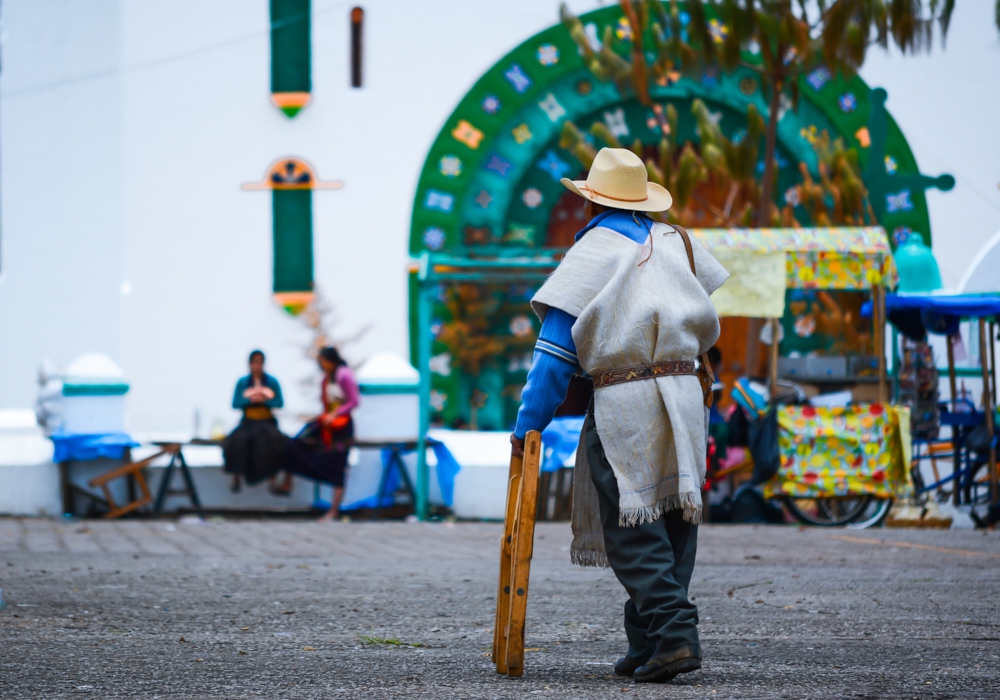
267	609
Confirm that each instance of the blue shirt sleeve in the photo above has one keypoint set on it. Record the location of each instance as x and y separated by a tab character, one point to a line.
239	400
553	364
278	401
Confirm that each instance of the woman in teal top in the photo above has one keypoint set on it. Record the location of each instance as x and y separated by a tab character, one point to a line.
256	449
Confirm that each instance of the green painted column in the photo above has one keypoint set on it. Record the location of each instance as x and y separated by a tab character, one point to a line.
424	366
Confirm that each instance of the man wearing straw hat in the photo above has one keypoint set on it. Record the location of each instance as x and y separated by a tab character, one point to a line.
629	304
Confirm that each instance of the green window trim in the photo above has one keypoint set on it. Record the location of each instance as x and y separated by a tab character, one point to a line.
293	250
291	181
291	55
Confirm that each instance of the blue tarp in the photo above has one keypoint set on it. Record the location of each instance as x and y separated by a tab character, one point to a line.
559	441
962	305
917	314
447	468
84	448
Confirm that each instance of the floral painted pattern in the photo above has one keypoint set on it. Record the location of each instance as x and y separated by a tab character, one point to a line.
839	451
816	258
548	55
434	238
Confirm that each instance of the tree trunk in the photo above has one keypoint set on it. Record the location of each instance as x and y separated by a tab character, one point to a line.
770	145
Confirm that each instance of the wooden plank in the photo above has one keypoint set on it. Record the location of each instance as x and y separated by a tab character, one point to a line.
125	470
984	361
127	508
522	545
775	352
503	585
883	393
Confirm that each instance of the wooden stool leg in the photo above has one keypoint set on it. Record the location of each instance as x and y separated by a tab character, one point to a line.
503	586
522	545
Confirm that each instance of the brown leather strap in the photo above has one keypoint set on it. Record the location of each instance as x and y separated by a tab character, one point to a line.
687	246
633	374
705	373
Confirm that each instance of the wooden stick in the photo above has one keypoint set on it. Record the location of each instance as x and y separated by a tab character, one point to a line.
993	359
951	373
883	395
522	546
775	327
503	586
988	409
956	460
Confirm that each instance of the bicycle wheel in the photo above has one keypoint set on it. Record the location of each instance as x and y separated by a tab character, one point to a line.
873	515
827	512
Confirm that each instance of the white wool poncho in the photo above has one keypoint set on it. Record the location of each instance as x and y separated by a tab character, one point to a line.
653	431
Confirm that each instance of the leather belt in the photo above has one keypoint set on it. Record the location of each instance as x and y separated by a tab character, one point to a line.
634	374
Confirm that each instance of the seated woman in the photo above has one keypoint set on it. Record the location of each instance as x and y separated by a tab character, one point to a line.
256	450
319	452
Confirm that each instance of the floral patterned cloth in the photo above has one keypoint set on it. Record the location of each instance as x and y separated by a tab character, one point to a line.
839	451
816	258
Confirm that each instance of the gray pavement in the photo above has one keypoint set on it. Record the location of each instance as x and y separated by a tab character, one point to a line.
267	609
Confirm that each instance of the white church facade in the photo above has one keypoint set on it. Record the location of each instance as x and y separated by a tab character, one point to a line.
140	142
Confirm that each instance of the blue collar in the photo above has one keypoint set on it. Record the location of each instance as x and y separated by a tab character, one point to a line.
622	222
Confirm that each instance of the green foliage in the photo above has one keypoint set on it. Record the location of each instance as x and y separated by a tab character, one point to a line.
573	140
374	640
840	196
779	40
471	333
468	334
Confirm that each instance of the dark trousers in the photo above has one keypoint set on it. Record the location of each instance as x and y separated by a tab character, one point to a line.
654	562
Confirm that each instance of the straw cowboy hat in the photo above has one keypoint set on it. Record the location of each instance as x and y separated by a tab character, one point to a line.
617	179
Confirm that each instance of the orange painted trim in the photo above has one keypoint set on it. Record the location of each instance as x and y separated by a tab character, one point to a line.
314	182
290	102
294	302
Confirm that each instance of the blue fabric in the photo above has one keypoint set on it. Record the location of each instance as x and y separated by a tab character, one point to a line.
84	448
635	228
239	401
964	305
553	365
751	401
447	469
559	441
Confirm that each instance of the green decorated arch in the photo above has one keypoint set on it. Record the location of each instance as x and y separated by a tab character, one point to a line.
491	180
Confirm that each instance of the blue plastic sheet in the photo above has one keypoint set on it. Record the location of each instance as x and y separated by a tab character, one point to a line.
918	314
447	469
559	441
83	448
963	305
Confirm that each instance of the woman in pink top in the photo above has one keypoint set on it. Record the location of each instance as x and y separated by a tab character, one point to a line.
319	452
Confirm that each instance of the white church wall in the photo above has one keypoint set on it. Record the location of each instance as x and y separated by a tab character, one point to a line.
946	104
127	128
61	237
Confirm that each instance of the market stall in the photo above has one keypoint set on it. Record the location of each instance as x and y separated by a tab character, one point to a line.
972	440
768	268
806	287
